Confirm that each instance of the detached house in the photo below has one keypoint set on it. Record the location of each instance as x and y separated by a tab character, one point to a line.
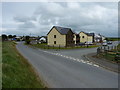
99	38
60	36
86	37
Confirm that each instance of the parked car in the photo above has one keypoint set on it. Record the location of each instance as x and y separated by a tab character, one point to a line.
109	42
104	44
88	43
81	44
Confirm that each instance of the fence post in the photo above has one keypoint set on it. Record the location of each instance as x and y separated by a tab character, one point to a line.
98	51
59	46
104	48
48	46
116	47
53	46
108	48
111	47
106	53
87	45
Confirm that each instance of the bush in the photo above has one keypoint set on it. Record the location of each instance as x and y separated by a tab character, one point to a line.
27	41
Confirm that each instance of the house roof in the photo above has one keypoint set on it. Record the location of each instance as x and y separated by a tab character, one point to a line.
89	34
61	30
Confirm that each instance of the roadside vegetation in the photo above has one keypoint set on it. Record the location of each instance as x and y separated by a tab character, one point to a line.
16	71
45	46
112	39
112	55
118	47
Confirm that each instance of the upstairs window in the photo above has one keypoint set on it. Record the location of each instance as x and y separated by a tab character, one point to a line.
54	42
54	36
83	37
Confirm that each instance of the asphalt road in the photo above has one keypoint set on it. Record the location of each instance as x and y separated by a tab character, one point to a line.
67	69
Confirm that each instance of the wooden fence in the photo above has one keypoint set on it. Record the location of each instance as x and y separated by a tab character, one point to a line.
103	49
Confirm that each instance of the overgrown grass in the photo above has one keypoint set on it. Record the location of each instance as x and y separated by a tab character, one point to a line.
44	46
16	71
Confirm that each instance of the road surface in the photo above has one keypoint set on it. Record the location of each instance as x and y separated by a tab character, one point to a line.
67	68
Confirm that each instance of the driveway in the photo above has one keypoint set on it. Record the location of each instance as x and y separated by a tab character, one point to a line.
67	68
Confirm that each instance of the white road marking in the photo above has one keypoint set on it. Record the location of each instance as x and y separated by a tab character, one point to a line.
72	58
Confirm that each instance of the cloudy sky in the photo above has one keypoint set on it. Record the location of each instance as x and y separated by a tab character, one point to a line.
25	18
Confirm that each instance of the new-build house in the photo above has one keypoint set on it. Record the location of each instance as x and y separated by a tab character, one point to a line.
76	38
60	36
99	38
86	37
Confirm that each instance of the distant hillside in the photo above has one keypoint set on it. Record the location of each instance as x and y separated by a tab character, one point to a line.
113	38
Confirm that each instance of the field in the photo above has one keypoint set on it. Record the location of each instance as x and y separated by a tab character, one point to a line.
16	71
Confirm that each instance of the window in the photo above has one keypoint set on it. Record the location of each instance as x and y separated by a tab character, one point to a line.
83	37
54	36
54	42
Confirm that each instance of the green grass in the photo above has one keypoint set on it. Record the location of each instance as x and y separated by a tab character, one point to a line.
111	55
113	39
118	47
108	56
16	71
44	46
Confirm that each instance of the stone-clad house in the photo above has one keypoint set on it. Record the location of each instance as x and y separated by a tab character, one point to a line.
86	37
60	36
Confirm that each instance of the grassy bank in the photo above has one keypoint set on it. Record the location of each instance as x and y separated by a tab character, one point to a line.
44	46
16	71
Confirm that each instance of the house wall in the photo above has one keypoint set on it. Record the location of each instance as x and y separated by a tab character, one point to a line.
69	39
60	39
86	38
74	38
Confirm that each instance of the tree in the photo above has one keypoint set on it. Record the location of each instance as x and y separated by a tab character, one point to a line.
27	39
4	37
106	39
14	36
10	36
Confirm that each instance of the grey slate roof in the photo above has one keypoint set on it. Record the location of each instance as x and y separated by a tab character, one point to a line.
62	30
89	34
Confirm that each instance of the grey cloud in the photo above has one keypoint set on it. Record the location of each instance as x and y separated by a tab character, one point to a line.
27	25
98	17
21	18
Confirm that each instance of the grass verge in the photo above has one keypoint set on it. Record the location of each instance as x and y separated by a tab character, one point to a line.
52	47
16	71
